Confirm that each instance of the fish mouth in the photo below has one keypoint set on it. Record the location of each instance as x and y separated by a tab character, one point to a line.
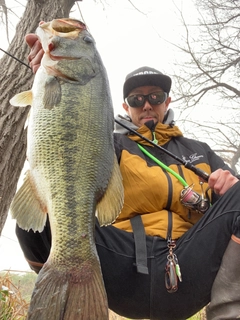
63	26
67	25
59	58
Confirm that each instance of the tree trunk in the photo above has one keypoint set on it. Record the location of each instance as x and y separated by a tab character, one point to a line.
15	78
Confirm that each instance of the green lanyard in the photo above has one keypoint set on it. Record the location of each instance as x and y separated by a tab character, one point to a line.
176	175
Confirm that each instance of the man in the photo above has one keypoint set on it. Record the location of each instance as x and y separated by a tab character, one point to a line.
170	252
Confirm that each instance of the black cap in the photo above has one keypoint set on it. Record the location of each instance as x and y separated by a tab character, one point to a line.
146	76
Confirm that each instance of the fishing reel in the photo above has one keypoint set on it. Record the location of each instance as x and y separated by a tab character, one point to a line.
194	201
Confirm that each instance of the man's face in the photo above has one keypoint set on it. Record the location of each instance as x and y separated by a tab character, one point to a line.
148	111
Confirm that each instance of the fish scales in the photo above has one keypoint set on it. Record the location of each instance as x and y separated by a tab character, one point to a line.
67	162
73	172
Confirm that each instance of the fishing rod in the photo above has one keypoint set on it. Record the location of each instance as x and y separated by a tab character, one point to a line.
202	174
15	58
199	172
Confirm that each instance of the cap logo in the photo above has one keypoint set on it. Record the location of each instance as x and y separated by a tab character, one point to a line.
145	72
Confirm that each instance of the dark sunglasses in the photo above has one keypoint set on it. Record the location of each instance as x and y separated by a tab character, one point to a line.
138	100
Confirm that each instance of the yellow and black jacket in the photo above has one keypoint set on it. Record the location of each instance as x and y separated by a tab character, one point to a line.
151	191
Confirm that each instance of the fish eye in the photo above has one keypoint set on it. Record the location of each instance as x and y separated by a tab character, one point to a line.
88	39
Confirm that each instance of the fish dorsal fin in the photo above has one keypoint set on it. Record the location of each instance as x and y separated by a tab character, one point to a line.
108	209
52	93
27	209
22	99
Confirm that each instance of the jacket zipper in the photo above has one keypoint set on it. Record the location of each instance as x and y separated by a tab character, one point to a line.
154	139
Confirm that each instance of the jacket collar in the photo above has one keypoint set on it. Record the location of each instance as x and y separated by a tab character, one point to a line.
163	132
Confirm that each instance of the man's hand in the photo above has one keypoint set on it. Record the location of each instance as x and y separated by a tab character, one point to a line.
36	52
221	180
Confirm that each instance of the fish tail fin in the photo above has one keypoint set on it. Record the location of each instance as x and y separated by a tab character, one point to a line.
78	293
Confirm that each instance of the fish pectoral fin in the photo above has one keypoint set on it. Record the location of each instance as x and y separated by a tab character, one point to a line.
22	99
27	209
52	93
108	209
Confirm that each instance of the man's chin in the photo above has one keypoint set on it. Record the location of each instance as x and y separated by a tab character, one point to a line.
148	119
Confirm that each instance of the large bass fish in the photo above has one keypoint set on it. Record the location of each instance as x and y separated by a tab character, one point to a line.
73	171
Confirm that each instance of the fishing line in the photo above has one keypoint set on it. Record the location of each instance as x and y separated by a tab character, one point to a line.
199	172
15	58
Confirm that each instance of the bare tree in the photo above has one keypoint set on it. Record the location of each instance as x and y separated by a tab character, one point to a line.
15	78
211	72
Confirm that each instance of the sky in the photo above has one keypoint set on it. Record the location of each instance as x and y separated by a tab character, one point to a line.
127	38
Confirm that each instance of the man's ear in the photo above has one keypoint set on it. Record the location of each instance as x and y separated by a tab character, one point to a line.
125	107
167	102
